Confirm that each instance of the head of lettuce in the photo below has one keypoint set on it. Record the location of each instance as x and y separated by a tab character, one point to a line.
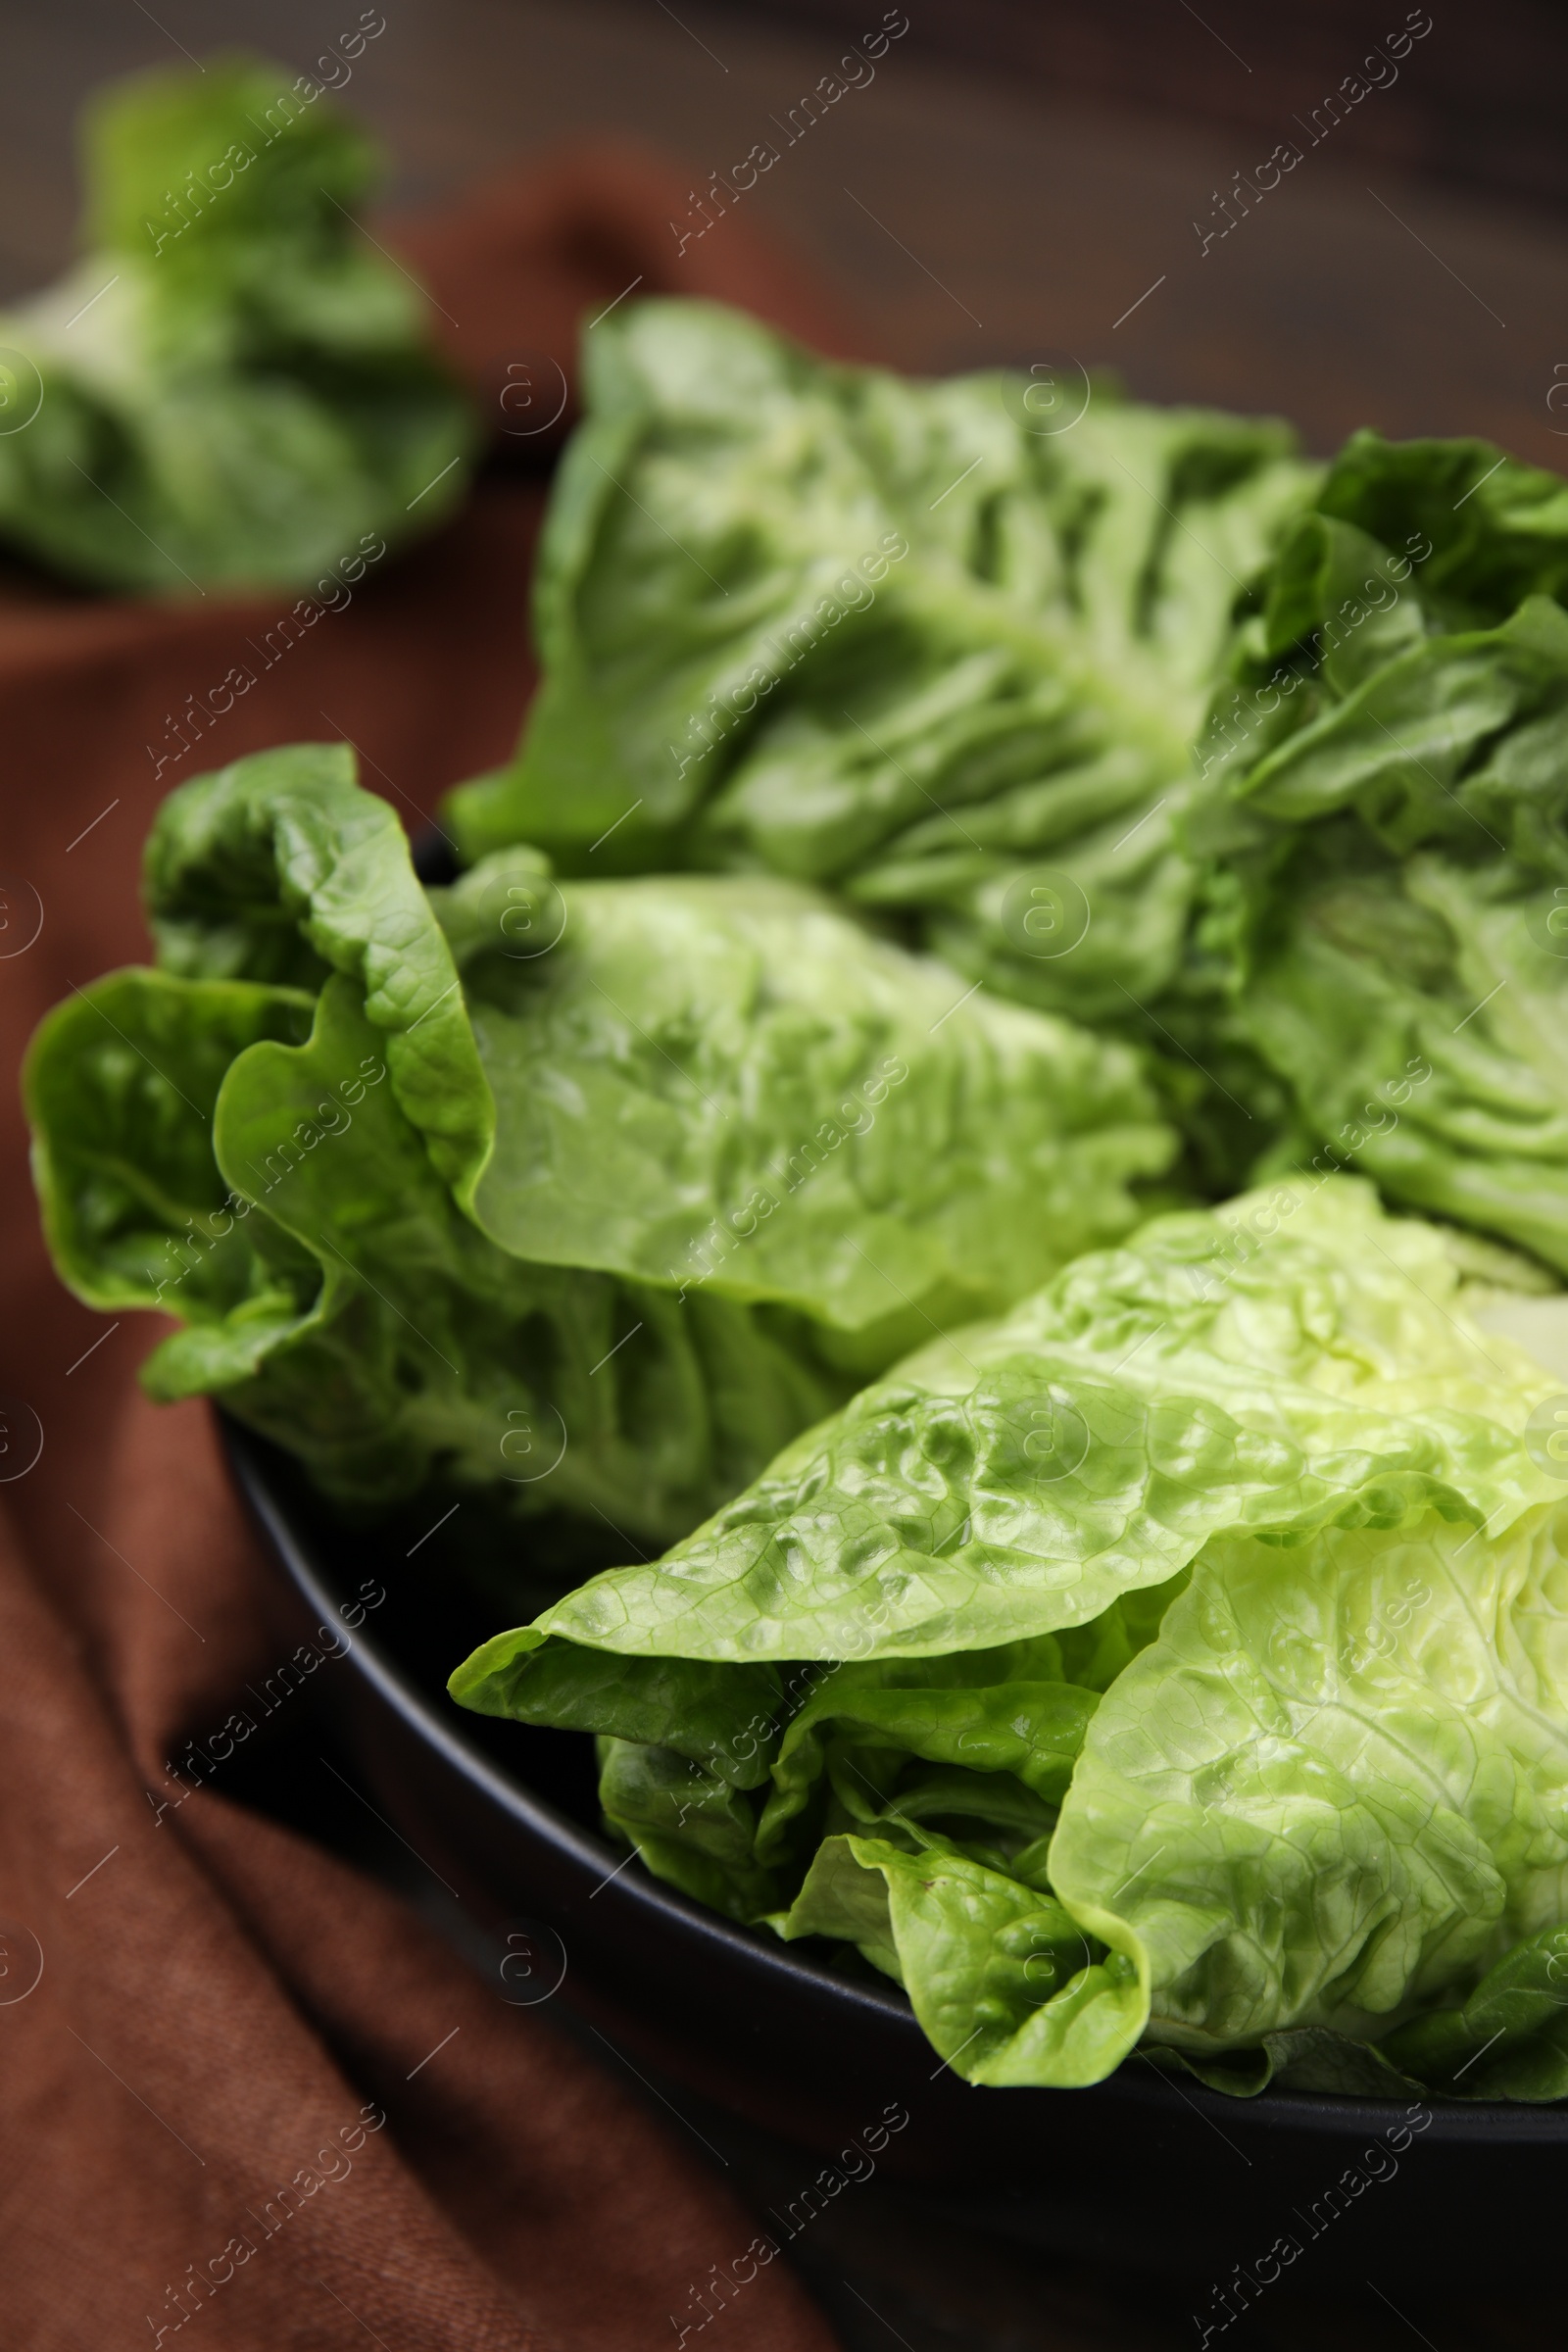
1180	1662
233	386
591	1195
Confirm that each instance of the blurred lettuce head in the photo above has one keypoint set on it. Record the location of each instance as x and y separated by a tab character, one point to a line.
233	386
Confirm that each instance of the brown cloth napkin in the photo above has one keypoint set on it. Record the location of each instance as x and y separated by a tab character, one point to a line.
222	2010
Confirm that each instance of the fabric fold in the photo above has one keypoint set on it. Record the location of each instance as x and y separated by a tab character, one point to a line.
207	2025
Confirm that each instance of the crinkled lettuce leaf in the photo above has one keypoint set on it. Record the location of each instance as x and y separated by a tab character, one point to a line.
892	637
1297	2058
232	384
979	1745
1327	1796
1005	1984
280	868
1329	1791
333	1294
1292	1362
1508	2040
724	1083
121	1103
726	1720
1334	1787
982	1711
1271	1777
692	1827
1387	833
543	1219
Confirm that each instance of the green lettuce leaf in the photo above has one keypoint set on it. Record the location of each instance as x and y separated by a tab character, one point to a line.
1027	1722
1387	893
1329	1796
1290	1362
901	638
334	1295
233	385
1496	533
979	1745
1271	1778
1300	2058
1332	1789
280	868
693	1828
122	1104
1005	1985
1508	2040
725	1719
465	1206
726	1083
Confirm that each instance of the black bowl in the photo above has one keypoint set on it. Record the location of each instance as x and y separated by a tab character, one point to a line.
1140	2170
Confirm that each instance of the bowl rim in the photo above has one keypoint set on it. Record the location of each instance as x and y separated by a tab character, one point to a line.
250	1458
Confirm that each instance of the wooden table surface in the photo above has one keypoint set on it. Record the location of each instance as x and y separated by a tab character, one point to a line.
965	222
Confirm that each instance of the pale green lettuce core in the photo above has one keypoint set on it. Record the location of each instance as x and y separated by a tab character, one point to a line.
1336	1783
590	1196
1182	1661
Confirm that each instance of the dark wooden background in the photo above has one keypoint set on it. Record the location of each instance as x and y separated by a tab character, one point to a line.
1481	108
1032	170
1014	178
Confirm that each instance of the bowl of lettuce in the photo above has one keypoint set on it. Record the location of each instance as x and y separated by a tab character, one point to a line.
1240	1823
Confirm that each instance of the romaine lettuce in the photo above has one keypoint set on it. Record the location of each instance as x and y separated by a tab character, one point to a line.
1127	711
593	1195
1180	1663
1385	824
1289	1362
892	637
1336	1786
232	384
